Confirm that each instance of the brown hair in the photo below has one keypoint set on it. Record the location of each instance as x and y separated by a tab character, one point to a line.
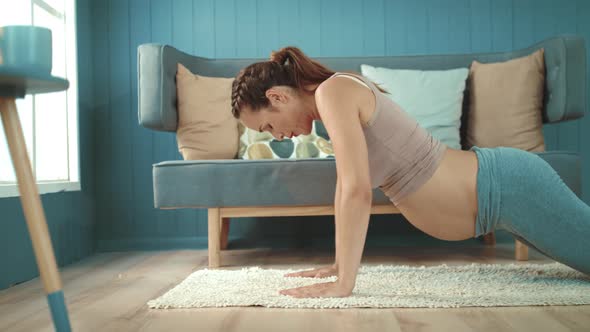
289	66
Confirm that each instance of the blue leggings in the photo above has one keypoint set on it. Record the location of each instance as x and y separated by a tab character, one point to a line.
521	193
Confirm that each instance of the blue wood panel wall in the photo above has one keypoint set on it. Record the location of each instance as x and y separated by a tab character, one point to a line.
70	216
115	210
124	152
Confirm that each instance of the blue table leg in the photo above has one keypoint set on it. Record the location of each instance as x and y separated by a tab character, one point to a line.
59	312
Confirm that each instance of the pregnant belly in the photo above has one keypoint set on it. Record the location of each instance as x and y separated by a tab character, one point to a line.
445	207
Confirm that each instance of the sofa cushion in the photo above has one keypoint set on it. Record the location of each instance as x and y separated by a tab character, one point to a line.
206	127
434	98
505	103
216	183
237	182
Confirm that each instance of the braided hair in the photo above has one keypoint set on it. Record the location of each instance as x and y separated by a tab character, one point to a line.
288	67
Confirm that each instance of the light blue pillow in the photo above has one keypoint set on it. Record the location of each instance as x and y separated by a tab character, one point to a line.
434	98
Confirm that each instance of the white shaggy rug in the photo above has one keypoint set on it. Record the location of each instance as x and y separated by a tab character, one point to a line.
442	286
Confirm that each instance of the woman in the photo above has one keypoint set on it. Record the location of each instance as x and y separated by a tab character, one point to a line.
447	193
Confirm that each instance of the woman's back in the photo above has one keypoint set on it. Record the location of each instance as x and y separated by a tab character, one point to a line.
402	155
425	179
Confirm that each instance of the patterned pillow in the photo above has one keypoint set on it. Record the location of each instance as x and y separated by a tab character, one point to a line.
256	145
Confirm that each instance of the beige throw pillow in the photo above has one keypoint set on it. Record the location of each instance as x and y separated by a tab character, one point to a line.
506	102
206	126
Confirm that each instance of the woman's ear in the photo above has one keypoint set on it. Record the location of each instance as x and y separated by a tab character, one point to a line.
276	95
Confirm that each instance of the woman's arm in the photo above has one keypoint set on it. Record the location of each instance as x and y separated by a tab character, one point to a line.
330	270
336	214
338	103
352	223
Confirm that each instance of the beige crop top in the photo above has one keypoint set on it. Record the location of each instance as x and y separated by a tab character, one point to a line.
402	155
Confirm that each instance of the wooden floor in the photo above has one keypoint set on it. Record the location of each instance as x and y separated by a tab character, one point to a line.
109	291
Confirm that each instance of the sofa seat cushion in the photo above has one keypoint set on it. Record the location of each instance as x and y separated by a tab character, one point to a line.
238	182
290	182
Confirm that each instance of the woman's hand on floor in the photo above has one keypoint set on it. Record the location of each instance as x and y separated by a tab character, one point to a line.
326	289
322	272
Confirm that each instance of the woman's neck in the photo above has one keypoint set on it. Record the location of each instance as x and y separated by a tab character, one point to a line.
309	102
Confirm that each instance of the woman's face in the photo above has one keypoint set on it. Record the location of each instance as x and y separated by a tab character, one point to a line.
286	116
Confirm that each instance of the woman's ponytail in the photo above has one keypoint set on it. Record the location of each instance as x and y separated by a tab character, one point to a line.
305	71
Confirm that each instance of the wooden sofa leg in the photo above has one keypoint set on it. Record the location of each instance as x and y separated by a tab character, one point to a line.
224	232
521	251
214	237
489	239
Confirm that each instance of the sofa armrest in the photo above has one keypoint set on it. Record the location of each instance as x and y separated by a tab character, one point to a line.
565	78
156	91
156	70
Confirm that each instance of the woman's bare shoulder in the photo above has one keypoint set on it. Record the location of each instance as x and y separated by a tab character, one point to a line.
350	92
342	88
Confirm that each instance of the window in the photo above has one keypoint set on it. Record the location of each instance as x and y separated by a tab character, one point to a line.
49	121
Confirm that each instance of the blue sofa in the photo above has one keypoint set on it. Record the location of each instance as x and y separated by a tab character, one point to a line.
307	186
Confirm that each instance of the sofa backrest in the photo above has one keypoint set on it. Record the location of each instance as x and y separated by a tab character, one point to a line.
565	84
